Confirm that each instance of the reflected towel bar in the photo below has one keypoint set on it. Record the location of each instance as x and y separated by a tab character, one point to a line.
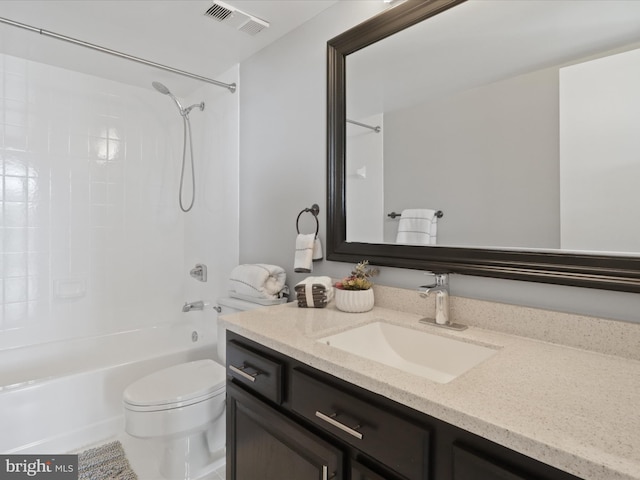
393	215
375	129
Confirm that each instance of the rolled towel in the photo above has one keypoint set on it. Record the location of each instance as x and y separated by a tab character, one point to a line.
303	261
258	280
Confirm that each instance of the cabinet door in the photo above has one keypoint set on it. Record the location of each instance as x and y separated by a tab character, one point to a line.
264	444
469	466
360	472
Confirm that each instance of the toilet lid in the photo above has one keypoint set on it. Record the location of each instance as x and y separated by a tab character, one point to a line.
177	384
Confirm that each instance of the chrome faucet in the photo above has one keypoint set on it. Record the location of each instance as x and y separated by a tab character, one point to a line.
441	290
187	307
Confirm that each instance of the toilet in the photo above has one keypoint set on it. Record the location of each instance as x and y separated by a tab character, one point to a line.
183	407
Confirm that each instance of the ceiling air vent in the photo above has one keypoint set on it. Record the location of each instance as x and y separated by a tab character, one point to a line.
225	13
218	12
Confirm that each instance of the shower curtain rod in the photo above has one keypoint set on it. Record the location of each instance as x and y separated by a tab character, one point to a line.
375	129
230	86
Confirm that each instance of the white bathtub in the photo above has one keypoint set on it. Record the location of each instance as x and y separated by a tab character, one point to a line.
60	396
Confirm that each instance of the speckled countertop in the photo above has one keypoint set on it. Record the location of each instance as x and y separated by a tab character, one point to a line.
575	409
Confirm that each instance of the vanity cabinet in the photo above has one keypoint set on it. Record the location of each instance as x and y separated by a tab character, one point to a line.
287	420
362	425
267	445
360	472
471	466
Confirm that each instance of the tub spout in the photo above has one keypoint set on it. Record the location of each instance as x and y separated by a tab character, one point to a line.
187	307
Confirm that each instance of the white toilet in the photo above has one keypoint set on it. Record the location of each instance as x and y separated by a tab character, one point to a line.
183	407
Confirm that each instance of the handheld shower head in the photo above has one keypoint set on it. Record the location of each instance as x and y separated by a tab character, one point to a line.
187	135
165	91
161	88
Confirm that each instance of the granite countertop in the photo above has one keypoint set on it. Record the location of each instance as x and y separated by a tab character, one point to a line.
574	409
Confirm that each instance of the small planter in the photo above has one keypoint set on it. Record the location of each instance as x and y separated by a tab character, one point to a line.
354	301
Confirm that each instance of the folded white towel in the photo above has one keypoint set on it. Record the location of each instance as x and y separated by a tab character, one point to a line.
317	250
310	281
417	226
258	280
303	261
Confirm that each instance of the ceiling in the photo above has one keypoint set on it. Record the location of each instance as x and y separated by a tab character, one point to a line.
176	33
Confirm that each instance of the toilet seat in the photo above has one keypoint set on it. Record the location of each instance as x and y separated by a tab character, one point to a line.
175	387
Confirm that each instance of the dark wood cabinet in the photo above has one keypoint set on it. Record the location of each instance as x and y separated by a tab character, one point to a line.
360	472
268	446
287	420
400	445
259	372
469	465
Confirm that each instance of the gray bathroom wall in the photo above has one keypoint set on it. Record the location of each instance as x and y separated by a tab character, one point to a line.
283	163
496	144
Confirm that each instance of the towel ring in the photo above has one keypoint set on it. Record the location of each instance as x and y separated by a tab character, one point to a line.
314	210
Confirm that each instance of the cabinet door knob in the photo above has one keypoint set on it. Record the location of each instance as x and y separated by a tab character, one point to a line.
240	371
330	419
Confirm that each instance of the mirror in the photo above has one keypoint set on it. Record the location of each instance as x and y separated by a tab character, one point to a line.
475	106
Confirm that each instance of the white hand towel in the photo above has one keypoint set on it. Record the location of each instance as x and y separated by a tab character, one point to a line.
317	250
258	280
417	226
303	261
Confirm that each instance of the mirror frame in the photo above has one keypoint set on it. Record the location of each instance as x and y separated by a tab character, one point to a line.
610	272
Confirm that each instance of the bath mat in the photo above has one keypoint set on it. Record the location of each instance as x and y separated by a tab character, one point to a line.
106	462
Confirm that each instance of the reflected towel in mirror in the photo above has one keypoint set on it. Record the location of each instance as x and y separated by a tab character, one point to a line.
417	226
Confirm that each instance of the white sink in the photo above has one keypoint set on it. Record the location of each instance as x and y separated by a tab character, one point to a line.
437	358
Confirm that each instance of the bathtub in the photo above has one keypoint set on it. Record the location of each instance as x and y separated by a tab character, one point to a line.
59	396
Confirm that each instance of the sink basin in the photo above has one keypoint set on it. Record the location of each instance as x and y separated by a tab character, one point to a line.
437	358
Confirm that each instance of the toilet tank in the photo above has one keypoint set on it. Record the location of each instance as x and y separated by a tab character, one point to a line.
230	305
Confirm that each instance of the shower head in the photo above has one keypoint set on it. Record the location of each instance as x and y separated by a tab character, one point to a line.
161	88
165	91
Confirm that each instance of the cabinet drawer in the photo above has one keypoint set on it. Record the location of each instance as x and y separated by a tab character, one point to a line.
380	434
259	373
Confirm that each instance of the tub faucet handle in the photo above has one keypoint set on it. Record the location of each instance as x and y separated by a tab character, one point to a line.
199	272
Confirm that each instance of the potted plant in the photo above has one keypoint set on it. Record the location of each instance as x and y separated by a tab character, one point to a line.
354	293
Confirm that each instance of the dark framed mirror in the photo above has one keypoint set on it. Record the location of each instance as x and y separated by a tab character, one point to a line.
612	269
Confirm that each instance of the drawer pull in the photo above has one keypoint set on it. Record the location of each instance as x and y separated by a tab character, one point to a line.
240	371
325	473
330	419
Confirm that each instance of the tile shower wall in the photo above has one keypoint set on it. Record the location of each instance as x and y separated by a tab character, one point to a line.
92	239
